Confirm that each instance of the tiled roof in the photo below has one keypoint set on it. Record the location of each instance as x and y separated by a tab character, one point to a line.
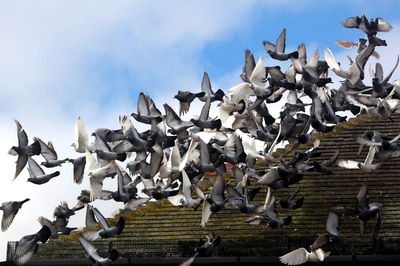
161	225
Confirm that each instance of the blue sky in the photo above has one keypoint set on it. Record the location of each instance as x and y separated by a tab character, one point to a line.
63	59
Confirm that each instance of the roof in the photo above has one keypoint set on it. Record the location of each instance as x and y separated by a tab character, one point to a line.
162	230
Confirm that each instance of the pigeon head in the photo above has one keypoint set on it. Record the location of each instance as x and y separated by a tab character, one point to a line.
12	151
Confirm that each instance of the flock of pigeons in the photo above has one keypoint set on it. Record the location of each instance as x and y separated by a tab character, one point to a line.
170	159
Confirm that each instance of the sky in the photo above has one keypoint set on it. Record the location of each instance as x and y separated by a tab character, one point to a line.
64	59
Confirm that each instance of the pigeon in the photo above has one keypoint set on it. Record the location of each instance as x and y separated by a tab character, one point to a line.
203	121
302	255
291	203
185	98
106	230
353	74
81	137
366	166
370	27
206	88
269	215
37	175
23	150
147	111
28	245
94	256
48	152
79	168
277	51
365	210
177	126
10	210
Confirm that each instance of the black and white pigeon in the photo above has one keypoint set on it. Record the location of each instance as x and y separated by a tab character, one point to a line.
277	51
23	150
94	256
316	253
84	197
366	166
27	246
49	154
37	175
10	209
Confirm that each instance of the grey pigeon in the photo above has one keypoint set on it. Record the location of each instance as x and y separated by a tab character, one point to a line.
37	175
79	168
27	246
23	150
10	209
185	98
147	111
49	153
277	51
106	230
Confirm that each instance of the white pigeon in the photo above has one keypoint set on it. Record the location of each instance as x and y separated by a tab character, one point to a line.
366	166
81	137
302	255
353	74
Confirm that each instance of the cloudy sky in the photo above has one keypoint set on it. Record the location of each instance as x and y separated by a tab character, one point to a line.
63	59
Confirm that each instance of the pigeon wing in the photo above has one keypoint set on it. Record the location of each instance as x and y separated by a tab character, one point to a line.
281	42
295	257
206	84
21	134
100	218
34	168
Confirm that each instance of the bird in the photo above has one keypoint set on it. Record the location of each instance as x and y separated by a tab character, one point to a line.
177	126
81	136
365	210
302	255
50	155
147	111
366	166
27	246
185	98
37	175
370	27
209	93
277	51
291	203
269	215
79	168
10	210
94	256
23	150
353	74
106	230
